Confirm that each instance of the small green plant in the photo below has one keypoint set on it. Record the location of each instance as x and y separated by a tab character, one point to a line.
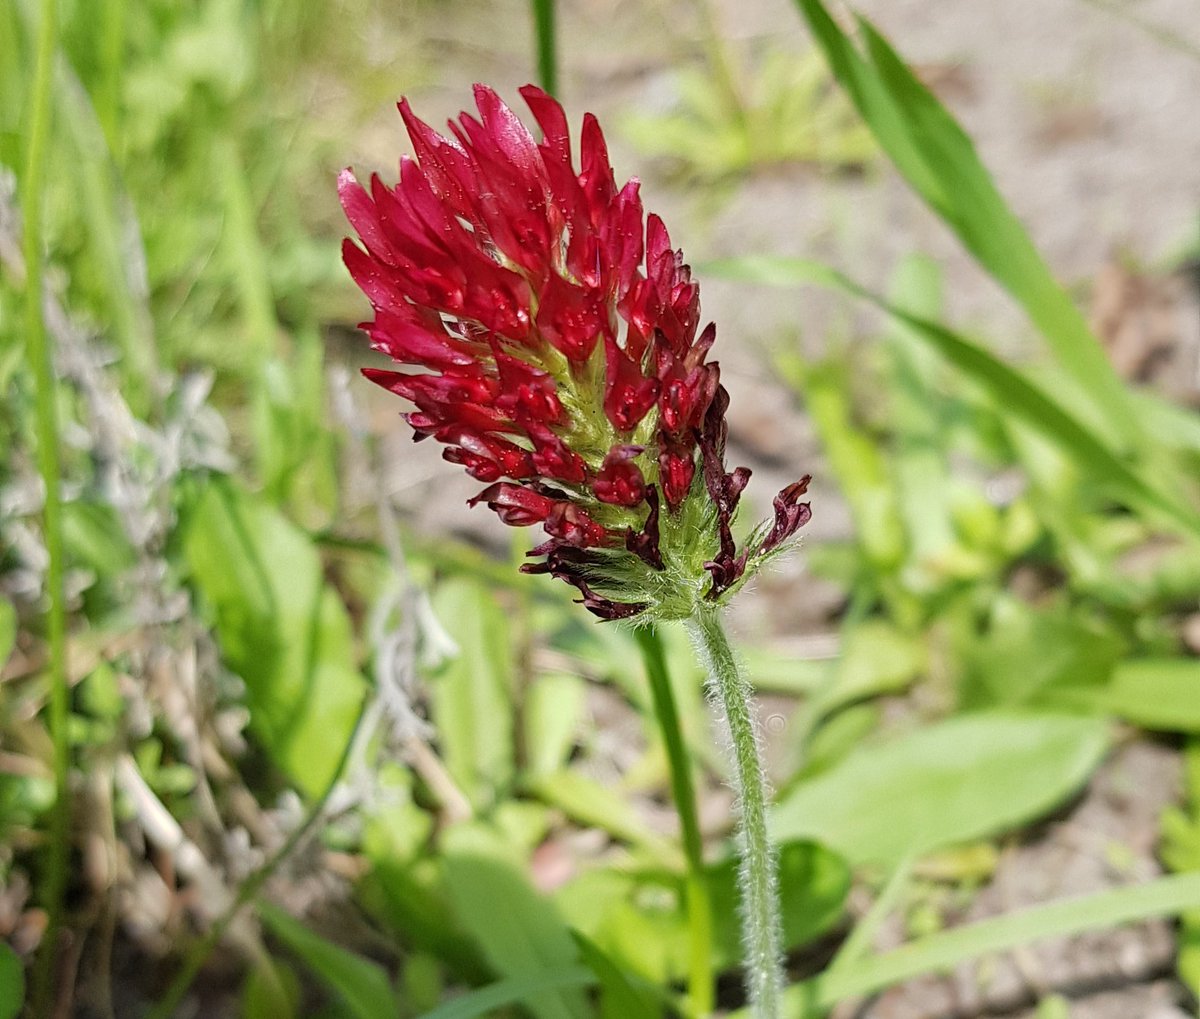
788	114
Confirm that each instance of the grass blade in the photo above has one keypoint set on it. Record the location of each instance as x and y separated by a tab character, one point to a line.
41	356
942	952
1009	387
938	159
683	792
488	999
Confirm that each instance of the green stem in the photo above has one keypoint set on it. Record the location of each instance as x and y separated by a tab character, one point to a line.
547	44
250	888
700	973
761	930
112	46
41	358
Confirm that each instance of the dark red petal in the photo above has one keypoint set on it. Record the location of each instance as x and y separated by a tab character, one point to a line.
644	544
596	177
790	514
676	468
444	162
527	393
510	137
406	341
628	394
571	317
363	215
553	459
570	524
548	112
515	504
619	480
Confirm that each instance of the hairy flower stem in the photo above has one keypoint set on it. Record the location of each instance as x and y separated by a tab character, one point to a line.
731	694
699	904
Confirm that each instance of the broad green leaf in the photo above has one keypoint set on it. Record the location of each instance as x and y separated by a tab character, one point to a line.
473	695
1155	693
588	802
519	932
1046	656
876	658
394	827
12	983
939	161
552	711
639	918
281	628
360	983
1011	390
960	779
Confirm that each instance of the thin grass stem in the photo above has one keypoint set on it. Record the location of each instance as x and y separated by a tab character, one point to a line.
699	904
41	357
108	92
546	32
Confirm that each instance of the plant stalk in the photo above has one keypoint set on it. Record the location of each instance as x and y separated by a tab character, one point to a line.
730	695
40	354
699	904
546	37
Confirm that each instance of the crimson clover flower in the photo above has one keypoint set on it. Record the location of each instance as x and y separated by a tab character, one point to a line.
556	329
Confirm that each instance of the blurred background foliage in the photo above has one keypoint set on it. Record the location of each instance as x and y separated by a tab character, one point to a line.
329	761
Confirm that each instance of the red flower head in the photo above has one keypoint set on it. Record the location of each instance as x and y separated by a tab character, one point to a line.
556	330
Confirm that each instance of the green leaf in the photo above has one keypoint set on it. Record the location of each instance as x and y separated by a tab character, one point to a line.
858	463
487	1000
520	932
1156	693
8	630
639	919
876	658
588	802
942	952
918	416
361	984
620	998
473	695
1045	656
1011	390
282	629
552	712
12	983
939	161
271	991
94	538
960	779
813	885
